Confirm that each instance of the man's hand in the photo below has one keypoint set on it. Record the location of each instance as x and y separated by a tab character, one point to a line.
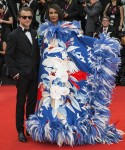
16	77
23	2
1	21
65	15
84	4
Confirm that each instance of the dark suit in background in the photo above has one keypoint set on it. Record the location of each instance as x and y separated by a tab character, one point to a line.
72	9
93	13
109	29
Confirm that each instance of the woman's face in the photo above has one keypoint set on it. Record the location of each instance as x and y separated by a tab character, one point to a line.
53	15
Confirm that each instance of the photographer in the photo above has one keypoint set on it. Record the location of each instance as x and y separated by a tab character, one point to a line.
93	11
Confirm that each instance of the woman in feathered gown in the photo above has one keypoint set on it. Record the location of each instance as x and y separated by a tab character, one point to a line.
76	79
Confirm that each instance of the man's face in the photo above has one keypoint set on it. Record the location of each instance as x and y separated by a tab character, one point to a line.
105	22
25	18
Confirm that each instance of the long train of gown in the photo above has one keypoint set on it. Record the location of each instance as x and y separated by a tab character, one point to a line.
76	80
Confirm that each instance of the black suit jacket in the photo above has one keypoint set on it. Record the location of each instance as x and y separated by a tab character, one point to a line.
110	29
72	10
21	56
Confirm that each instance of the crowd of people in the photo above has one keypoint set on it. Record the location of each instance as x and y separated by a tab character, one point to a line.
64	68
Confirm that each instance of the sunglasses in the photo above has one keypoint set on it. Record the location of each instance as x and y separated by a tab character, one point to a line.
105	20
26	17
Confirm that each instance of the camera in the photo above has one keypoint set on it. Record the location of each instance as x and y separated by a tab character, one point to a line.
83	1
112	19
123	2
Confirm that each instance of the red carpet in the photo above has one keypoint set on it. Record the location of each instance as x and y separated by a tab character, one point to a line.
8	134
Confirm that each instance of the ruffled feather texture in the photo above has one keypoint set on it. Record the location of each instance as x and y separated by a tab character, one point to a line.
49	30
75	87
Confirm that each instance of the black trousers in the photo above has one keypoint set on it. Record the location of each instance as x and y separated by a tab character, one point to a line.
1	65
26	100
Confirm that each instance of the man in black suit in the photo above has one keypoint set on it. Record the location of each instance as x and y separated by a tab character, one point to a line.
22	58
105	27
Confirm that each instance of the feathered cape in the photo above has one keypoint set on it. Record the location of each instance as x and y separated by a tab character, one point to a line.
75	86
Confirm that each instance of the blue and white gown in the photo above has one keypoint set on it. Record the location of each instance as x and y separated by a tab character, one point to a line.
76	80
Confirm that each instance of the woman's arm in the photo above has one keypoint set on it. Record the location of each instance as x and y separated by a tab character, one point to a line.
10	21
121	17
3	48
105	11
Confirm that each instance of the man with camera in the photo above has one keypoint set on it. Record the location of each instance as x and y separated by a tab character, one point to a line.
93	11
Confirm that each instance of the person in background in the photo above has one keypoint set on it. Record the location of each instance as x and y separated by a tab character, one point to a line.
6	22
12	6
71	10
22	60
114	10
82	15
93	11
42	9
104	4
2	53
105	27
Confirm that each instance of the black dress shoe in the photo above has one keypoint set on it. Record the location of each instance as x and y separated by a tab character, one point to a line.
22	137
27	133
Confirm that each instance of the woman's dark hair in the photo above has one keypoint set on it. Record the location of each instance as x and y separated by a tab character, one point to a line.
58	9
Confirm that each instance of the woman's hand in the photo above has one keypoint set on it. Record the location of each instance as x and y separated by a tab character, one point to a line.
1	21
120	28
65	15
